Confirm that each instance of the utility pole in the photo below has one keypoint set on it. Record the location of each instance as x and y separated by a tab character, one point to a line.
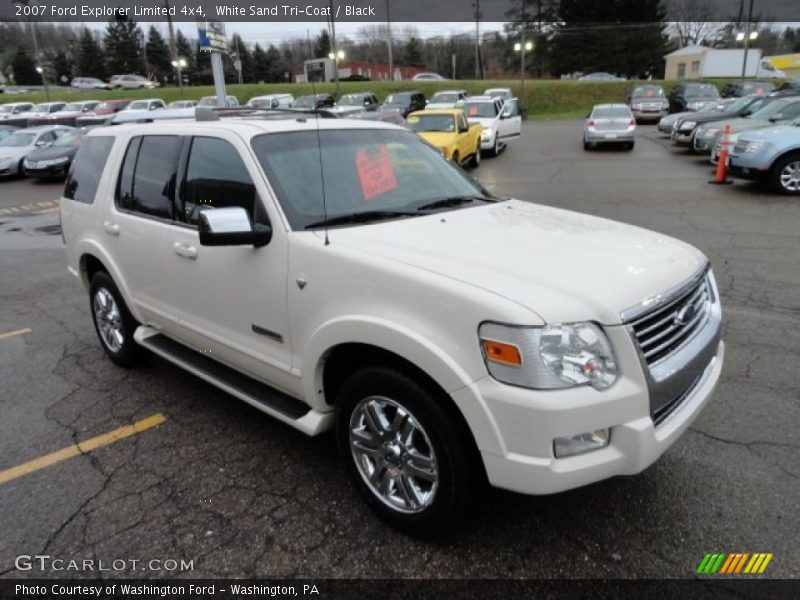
478	40
334	49
36	57
389	42
747	39
173	48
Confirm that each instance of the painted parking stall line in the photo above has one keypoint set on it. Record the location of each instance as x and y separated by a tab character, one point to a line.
16	332
37	207
84	447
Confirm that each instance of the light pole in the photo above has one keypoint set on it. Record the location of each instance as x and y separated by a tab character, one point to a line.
522	47
389	41
180	65
336	56
747	35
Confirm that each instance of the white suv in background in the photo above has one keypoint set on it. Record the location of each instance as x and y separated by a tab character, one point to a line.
500	120
449	337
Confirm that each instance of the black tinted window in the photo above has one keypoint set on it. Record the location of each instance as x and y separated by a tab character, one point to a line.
216	177
84	176
125	184
156	172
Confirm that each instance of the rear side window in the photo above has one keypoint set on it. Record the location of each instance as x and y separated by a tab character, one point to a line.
149	173
87	168
216	177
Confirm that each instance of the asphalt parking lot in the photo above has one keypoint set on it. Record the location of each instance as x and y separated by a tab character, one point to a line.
240	494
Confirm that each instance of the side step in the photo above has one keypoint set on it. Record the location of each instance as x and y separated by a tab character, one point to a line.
257	394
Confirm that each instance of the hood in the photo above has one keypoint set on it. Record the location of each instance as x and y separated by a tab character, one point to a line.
346	108
484	122
52	152
98	112
739	124
772	133
434	105
438	138
15	152
564	266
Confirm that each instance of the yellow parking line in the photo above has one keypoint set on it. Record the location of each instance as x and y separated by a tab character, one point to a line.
81	448
9	334
47	210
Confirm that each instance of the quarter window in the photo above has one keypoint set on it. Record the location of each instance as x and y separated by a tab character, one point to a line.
84	176
216	177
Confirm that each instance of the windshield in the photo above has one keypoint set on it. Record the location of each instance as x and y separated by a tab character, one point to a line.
138	105
771	109
702	91
612	113
41	108
757	87
72	107
6	109
364	170
480	110
398	99
19	139
446	123
648	91
4	133
351	100
304	102
444	97
67	139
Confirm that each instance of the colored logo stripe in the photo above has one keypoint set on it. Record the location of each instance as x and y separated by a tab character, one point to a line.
734	563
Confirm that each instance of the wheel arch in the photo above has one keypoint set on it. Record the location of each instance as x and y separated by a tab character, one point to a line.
91	259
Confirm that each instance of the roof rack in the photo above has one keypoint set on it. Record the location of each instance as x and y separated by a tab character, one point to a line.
208	113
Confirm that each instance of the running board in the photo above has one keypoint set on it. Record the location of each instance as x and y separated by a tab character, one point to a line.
255	393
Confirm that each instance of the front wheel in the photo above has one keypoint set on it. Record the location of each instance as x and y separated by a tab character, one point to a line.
404	452
114	323
496	146
784	177
475	162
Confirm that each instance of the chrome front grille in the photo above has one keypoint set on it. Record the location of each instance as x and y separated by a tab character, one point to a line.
663	330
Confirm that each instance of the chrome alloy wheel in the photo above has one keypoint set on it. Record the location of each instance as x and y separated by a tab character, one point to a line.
790	176
393	454
109	320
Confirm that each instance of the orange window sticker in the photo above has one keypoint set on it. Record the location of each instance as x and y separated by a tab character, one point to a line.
375	172
473	110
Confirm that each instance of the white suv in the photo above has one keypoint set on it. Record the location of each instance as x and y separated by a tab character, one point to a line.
342	274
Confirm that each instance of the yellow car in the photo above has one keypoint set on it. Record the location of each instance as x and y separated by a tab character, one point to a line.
448	130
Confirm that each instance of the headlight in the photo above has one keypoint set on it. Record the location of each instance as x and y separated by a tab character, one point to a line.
687	125
751	147
636	106
555	356
488	132
711	131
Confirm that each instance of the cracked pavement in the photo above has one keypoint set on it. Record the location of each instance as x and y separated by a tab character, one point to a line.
241	494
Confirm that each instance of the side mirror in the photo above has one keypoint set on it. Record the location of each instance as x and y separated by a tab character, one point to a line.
231	227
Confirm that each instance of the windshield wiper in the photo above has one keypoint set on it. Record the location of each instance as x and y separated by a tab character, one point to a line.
453	201
361	217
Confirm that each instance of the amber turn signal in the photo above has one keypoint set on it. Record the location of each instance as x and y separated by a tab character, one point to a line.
498	352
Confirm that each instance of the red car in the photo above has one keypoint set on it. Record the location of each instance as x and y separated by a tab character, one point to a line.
67	115
99	115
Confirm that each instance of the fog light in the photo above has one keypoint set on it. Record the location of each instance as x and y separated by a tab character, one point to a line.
580	444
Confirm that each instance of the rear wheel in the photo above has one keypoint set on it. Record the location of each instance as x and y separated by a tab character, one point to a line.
114	323
586	145
404	453
784	177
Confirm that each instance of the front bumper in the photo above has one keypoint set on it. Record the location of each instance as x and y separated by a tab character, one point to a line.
649	115
51	171
704	145
744	169
516	439
685	138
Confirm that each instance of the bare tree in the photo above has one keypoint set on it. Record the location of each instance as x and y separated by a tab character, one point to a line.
693	22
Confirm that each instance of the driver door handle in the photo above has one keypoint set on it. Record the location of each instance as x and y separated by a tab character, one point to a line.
111	228
185	250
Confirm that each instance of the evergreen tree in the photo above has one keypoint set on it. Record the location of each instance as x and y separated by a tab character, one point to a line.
90	63
25	69
534	18
588	39
322	47
277	65
412	56
260	65
158	58
186	51
123	42
61	67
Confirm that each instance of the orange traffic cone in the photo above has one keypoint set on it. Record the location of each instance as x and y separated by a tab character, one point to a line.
721	178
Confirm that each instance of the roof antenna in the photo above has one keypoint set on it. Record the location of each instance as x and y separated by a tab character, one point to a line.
319	148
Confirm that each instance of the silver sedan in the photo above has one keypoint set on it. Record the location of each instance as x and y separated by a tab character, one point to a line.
15	147
609	124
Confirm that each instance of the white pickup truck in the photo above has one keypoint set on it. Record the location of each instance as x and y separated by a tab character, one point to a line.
450	338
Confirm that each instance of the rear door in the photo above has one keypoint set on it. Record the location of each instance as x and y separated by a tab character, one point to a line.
511	119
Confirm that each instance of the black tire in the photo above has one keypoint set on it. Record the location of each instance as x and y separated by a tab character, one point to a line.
459	475
21	168
456	158
129	353
631	145
586	145
496	146
775	172
475	161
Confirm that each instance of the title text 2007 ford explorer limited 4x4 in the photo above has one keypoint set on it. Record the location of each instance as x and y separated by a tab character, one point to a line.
450	338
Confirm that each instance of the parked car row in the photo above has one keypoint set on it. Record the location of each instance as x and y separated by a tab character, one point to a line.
43	152
117	82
